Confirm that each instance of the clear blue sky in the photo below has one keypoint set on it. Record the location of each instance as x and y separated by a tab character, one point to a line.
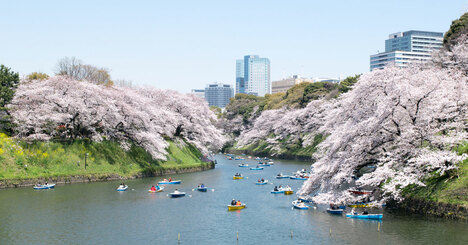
182	45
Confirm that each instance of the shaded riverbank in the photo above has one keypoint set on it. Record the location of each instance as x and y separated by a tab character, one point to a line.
13	183
431	208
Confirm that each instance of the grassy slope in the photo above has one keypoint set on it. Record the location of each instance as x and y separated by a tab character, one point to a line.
19	160
450	188
287	149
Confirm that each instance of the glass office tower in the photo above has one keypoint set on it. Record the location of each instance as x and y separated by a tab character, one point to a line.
402	48
253	75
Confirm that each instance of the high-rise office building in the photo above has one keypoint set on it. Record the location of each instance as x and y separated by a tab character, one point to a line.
218	94
402	48
256	75
240	85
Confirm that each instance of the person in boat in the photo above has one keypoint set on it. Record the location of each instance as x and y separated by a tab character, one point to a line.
202	185
263	180
170	179
233	202
153	188
280	186
276	188
365	211
238	203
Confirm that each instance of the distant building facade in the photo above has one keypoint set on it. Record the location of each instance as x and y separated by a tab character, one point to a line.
240	84
218	94
198	92
403	48
256	75
283	85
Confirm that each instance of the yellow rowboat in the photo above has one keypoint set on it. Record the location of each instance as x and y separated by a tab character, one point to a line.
237	177
288	192
236	207
363	205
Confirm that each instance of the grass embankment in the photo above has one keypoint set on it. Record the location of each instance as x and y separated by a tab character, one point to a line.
287	149
19	160
450	188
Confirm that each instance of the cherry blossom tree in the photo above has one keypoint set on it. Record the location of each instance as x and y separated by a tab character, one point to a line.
66	109
403	121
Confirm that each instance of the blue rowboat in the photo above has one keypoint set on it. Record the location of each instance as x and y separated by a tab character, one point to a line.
299	205
174	182
265	164
282	176
122	188
365	216
257	168
305	200
262	183
44	187
335	211
277	192
242	165
176	194
297	178
202	189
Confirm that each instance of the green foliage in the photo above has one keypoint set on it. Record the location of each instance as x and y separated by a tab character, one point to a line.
452	187
274	101
348	83
315	91
37	76
244	104
458	27
8	83
20	160
217	111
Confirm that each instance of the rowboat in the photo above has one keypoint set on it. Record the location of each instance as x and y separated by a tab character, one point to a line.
43	187
236	207
257	168
277	192
360	205
262	183
237	177
202	189
243	165
297	178
357	192
306	199
173	182
281	176
265	164
299	205
158	189
289	192
335	211
176	194
364	216
122	188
